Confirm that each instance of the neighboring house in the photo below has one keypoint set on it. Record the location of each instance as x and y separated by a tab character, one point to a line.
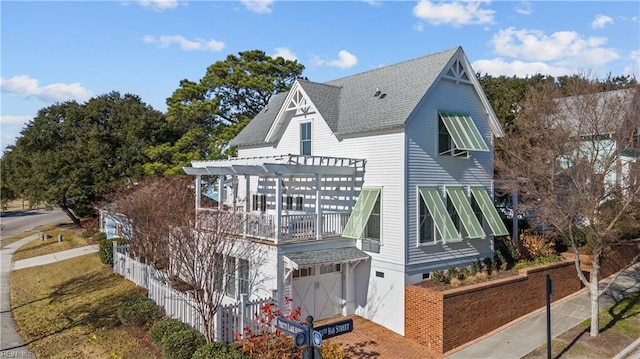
598	119
112	224
360	186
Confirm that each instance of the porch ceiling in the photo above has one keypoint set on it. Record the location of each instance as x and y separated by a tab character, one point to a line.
326	256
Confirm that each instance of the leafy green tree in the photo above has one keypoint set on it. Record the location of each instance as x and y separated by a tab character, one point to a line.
205	115
70	154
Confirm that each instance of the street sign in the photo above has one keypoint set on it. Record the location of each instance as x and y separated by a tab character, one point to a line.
317	338
301	339
289	327
334	329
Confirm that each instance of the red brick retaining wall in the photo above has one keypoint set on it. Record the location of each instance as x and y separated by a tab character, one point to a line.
445	320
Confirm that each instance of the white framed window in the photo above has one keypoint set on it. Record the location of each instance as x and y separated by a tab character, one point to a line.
458	135
259	202
243	276
372	235
305	139
230	276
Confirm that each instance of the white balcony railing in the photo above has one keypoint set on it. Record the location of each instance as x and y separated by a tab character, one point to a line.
293	227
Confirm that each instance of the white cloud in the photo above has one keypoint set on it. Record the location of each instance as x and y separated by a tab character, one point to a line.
601	21
159	5
453	13
10	127
566	48
344	61
419	27
373	2
634	66
185	44
258	6
14	120
25	86
285	53
499	66
524	8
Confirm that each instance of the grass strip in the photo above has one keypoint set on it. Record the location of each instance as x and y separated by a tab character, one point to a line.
68	310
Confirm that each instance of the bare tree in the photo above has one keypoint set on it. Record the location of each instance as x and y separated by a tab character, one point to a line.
203	254
574	161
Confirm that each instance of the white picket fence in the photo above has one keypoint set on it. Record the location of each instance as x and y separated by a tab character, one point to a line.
231	320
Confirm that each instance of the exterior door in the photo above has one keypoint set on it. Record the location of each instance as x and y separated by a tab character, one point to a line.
317	290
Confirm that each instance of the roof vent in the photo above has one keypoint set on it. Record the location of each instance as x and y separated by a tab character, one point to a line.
383	95
377	92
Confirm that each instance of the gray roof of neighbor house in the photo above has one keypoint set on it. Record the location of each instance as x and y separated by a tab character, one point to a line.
348	105
600	113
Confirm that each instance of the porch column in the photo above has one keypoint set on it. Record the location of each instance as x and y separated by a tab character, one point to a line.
198	192
221	192
278	207
350	290
318	209
247	203
234	188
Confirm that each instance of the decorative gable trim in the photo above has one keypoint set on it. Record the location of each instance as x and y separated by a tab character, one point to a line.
458	70
297	102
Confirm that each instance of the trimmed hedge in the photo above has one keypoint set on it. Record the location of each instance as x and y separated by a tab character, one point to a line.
218	351
138	310
106	251
164	327
182	344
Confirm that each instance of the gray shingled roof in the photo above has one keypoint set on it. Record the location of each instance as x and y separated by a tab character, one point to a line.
256	130
327	256
348	105
605	110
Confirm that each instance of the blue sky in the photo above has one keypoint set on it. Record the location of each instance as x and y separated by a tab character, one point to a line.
56	51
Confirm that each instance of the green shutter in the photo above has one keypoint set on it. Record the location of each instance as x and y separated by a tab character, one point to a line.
463	132
439	213
361	212
463	207
489	211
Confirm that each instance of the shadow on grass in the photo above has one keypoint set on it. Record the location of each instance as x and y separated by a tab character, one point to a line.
621	310
81	310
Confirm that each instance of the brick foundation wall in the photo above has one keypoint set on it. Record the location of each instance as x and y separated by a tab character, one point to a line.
446	320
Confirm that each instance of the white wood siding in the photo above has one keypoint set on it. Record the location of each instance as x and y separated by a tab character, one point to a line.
426	168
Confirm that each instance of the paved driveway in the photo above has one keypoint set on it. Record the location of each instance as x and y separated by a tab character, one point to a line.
370	340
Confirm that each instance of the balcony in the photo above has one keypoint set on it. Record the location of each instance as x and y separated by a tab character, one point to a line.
295	227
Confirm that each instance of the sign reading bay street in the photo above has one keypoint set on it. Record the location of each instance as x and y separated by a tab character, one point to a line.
334	329
289	327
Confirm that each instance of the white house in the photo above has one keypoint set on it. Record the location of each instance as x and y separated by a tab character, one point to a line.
360	186
608	126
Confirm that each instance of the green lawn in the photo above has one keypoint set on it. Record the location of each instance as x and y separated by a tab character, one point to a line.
68	310
619	327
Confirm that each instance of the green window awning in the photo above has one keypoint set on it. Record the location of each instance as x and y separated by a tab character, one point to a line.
439	213
467	216
361	212
463	132
489	211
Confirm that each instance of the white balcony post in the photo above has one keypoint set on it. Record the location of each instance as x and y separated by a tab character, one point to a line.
247	203
198	191
221	192
318	208
278	207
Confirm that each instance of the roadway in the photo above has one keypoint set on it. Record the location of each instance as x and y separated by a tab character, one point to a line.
16	222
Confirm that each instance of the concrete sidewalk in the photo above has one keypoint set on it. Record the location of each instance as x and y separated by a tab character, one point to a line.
54	257
520	338
11	344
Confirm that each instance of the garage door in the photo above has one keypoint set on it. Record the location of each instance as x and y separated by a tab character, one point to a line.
317	290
